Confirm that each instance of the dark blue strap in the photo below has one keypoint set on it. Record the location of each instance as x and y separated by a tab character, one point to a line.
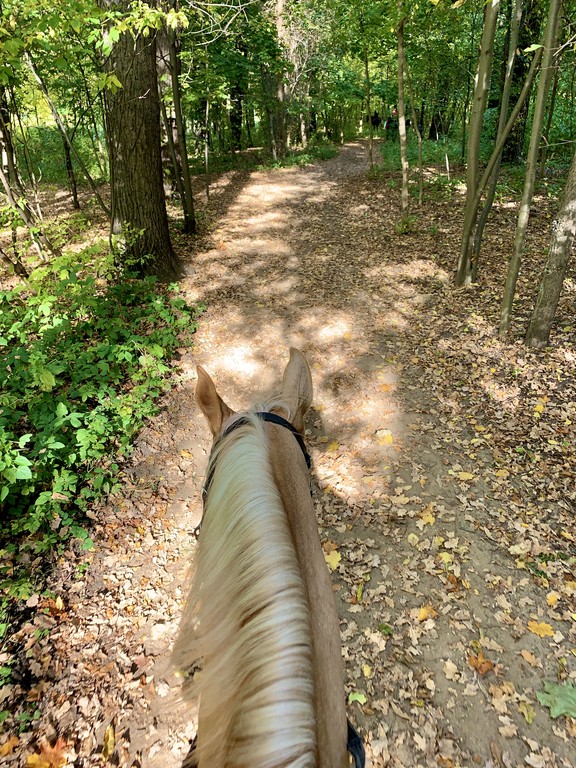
355	747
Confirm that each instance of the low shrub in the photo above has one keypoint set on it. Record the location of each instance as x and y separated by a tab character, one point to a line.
82	362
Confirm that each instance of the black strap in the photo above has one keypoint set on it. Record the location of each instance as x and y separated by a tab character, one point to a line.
355	747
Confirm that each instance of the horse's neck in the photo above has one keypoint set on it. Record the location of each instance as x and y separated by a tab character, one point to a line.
329	697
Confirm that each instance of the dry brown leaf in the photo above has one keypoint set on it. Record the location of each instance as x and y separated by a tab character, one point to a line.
49	757
530	658
480	663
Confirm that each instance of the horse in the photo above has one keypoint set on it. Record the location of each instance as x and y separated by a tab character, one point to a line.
261	612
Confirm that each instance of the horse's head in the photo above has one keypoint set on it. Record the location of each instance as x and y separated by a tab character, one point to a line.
296	393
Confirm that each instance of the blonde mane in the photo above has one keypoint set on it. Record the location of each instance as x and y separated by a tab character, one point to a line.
247	617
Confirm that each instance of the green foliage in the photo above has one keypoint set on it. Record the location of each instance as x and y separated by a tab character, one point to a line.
433	152
82	362
46	154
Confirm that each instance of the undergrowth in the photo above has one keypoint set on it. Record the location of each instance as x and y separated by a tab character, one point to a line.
82	361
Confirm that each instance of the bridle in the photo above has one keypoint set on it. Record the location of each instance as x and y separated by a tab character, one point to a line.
354	743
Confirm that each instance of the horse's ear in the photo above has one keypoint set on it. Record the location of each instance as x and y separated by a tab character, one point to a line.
210	402
297	387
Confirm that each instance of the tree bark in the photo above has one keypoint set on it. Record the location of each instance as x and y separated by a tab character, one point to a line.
561	243
531	165
139	217
481	89
504	104
402	111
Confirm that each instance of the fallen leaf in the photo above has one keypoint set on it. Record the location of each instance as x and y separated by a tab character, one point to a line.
355	696
49	757
451	670
427	612
541	629
528	711
560	699
531	659
480	663
427	517
552	598
9	746
109	742
333	559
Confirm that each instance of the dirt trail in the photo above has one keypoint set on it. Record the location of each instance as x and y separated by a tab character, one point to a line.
427	596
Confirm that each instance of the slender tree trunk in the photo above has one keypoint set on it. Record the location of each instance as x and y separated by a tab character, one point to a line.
188	199
546	132
481	88
70	174
468	89
562	240
530	32
418	135
504	103
402	112
15	263
206	146
139	217
64	132
531	165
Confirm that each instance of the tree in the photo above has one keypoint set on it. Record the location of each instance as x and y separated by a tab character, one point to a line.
481	88
139	217
531	165
402	109
562	240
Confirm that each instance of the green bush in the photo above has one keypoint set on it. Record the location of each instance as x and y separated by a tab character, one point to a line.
81	361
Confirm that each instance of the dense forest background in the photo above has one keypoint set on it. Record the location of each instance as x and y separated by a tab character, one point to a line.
130	106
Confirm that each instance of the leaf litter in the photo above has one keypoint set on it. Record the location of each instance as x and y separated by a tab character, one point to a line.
444	485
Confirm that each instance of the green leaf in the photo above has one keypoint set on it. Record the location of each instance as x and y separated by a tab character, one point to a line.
561	699
359	697
23	473
24	439
61	409
47	380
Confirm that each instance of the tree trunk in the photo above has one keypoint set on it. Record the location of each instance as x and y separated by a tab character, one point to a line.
188	199
70	174
369	107
561	244
481	89
402	112
531	165
504	103
546	132
530	32
417	129
139	217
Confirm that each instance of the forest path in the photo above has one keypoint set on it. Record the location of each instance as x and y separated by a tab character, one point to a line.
433	609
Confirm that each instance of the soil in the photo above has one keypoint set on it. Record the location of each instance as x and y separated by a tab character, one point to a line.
452	551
